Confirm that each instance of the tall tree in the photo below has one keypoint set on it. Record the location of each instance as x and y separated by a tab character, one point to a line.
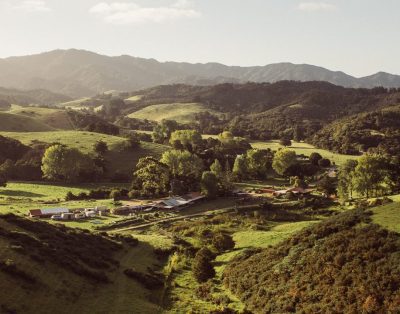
162	132
209	184
283	159
346	179
216	168
259	162
151	178
183	166
61	163
371	175
239	171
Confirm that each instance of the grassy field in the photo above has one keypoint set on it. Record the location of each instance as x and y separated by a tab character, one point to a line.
52	117
388	216
10	122
18	197
134	98
182	113
306	149
74	103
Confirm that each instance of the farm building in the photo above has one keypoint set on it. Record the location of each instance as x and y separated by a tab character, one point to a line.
296	191
47	213
179	201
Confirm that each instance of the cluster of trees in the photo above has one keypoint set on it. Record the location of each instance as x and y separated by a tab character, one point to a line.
193	163
177	172
372	175
90	122
258	163
61	163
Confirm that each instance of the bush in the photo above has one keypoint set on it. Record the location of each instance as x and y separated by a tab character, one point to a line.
202	267
324	163
223	242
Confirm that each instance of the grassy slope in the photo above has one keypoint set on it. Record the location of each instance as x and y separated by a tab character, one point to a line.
123	161
11	122
61	291
180	112
388	216
306	149
55	118
74	103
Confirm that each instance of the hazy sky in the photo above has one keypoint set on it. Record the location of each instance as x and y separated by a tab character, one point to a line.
359	37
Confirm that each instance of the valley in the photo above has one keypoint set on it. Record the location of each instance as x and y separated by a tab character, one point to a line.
182	188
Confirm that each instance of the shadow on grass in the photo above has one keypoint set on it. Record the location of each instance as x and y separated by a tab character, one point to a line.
20	193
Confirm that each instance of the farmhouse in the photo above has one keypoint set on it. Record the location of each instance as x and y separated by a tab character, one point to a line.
47	213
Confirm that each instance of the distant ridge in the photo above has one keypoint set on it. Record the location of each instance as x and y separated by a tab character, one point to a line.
78	73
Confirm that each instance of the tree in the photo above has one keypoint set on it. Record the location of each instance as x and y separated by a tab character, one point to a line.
61	163
371	175
216	168
283	159
151	177
162	132
209	184
315	158
183	166
8	169
298	182
133	140
324	163
327	186
3	181
202	267
259	162
346	179
100	147
223	242
240	168
285	142
188	138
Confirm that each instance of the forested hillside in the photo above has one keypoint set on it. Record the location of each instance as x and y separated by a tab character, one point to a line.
283	109
342	265
377	130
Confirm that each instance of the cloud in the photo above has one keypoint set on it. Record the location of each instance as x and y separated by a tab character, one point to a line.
31	6
316	6
131	13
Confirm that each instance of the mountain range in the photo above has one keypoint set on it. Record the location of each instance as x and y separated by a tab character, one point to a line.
79	73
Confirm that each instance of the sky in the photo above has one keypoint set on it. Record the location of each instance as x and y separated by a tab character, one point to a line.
359	37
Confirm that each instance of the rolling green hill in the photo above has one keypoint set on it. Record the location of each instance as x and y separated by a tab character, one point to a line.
53	269
180	112
20	123
120	159
305	149
54	118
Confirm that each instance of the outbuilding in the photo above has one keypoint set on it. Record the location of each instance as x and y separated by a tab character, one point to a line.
47	212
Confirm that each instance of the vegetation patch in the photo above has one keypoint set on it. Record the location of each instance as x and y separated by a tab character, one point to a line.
320	269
